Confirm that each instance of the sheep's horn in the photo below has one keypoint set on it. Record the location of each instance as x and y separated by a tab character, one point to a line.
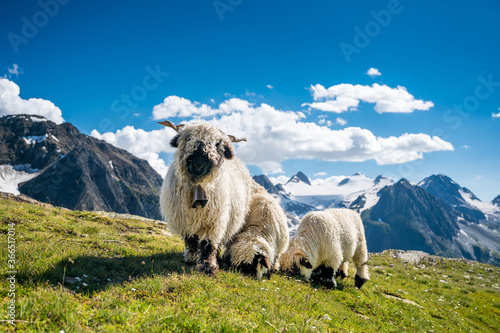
299	253
170	124
235	139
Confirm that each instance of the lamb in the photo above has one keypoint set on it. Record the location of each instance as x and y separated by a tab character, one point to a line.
207	194
325	241
256	249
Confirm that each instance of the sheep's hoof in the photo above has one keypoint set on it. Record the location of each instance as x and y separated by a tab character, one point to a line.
190	262
208	269
190	258
359	281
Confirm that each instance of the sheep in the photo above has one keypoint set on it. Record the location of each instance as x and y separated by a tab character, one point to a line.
325	241
207	193
256	249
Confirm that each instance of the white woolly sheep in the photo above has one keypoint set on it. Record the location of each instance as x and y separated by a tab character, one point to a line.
256	249
207	192
325	241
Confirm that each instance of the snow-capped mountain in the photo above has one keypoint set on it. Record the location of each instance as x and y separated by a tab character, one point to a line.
408	217
460	198
436	215
58	164
496	201
299	195
337	191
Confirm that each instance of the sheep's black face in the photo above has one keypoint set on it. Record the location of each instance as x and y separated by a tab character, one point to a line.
256	268
199	164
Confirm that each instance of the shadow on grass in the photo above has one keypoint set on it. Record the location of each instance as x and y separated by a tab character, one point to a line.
89	274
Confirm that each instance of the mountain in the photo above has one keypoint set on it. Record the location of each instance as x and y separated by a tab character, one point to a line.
409	218
460	198
437	215
496	201
334	191
58	164
298	178
266	183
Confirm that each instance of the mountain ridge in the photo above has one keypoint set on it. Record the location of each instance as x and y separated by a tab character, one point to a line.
77	171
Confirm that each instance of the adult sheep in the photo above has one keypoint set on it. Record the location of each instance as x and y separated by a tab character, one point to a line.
256	249
325	241
207	192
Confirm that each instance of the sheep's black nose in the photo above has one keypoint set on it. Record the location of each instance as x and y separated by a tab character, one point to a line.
198	164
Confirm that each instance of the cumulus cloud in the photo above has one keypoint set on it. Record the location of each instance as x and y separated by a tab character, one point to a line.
12	103
346	97
175	106
373	72
269	86
275	135
495	115
144	144
320	174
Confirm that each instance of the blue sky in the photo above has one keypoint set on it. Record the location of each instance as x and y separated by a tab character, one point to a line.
94	61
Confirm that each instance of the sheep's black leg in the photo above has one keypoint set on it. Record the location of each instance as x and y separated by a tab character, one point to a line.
207	261
191	252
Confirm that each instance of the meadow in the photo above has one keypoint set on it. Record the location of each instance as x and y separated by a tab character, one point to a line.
100	272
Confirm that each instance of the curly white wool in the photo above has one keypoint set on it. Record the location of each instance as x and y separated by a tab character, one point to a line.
331	238
265	233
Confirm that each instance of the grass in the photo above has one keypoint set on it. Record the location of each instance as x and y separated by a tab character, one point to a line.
86	272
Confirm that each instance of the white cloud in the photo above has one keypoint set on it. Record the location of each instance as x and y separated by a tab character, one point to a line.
143	144
175	106
12	103
373	72
269	86
320	174
466	147
249	93
346	97
340	121
279	180
13	71
212	100
275	136
495	115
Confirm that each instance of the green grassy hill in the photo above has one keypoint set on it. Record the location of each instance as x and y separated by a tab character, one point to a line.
91	272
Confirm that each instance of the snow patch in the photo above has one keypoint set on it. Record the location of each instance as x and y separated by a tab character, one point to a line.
485	207
111	164
34	139
12	176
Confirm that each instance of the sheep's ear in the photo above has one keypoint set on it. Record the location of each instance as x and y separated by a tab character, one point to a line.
304	262
264	261
228	151
174	142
